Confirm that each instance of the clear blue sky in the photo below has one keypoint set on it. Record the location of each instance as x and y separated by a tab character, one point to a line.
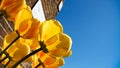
94	26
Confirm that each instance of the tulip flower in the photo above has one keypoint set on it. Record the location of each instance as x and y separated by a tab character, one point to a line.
56	42
29	28
9	8
22	15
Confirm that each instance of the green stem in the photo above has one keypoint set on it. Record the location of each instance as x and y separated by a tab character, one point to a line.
27	56
10	45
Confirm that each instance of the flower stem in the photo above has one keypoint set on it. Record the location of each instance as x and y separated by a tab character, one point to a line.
40	63
7	56
27	56
3	59
7	63
10	45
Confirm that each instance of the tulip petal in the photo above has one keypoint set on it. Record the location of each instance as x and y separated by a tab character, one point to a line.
22	50
9	38
61	46
50	28
46	59
69	53
59	62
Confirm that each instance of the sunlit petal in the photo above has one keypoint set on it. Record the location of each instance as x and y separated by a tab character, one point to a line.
61	46
9	38
22	50
33	43
46	59
50	28
59	62
69	53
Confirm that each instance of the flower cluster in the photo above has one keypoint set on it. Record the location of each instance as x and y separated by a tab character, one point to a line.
42	43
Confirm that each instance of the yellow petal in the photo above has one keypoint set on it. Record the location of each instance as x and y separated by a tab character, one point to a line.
23	14
69	53
61	46
34	61
58	52
52	67
52	40
65	41
50	28
46	59
59	62
29	28
49	60
9	38
33	43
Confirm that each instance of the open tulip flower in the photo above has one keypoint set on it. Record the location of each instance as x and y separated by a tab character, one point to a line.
56	42
9	8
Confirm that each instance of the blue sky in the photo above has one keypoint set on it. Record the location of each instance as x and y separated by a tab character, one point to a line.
94	28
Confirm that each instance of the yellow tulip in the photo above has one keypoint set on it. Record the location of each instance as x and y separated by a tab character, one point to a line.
22	15
56	42
10	8
29	28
